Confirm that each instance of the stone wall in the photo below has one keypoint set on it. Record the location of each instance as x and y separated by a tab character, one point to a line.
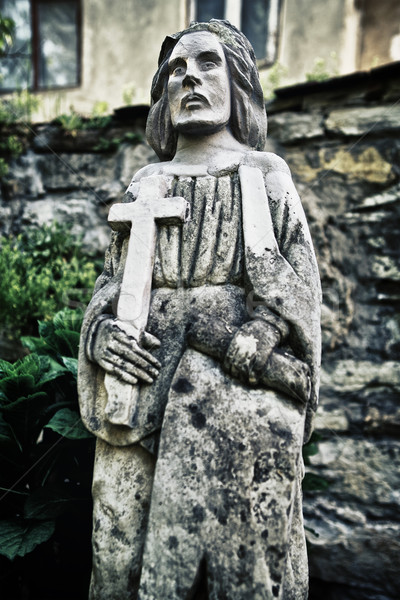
341	140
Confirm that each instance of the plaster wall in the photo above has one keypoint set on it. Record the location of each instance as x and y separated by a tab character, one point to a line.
121	43
310	31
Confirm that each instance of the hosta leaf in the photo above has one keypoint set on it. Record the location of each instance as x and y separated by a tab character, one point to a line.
71	364
6	368
68	319
54	370
35	344
18	537
68	423
68	342
16	386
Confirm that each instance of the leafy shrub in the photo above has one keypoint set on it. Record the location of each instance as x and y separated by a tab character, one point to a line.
46	454
41	270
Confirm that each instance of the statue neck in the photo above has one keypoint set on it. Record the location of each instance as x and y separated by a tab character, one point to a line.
207	149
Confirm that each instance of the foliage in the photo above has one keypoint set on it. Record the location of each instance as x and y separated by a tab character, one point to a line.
14	110
128	94
272	79
7	31
18	107
41	270
45	476
311	481
107	145
73	121
321	70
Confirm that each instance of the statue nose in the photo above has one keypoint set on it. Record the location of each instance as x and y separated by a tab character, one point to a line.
192	76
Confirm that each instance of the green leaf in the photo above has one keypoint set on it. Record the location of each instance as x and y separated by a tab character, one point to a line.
314	483
71	364
35	344
18	537
49	502
68	342
17	386
5	367
55	369
68	423
68	319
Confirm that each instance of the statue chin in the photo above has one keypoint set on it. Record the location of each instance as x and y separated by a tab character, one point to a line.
201	127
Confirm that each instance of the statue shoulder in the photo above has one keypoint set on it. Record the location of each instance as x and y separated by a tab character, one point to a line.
148	170
267	162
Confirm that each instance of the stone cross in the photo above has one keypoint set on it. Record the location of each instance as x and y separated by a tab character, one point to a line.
150	207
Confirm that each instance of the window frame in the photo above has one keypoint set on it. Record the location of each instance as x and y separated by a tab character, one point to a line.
235	8
35	41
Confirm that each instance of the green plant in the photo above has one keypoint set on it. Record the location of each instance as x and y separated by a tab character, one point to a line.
18	107
44	475
70	122
41	270
7	32
272	79
108	145
311	481
15	111
73	121
128	94
322	70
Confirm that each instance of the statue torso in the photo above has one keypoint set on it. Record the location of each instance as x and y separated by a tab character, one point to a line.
208	249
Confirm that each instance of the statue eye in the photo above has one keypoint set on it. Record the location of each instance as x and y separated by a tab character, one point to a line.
179	71
208	65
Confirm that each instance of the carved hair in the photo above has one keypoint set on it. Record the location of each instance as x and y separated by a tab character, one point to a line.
248	120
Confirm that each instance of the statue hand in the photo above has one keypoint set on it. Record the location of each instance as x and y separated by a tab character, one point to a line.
250	350
116	350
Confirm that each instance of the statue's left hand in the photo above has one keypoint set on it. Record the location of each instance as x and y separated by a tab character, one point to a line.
250	350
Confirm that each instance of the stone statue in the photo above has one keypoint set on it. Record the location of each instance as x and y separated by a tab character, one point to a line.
200	350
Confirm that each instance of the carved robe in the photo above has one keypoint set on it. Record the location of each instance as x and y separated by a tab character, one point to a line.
225	499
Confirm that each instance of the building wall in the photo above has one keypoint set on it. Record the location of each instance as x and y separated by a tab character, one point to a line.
121	44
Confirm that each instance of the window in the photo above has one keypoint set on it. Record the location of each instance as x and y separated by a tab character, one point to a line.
258	19
46	49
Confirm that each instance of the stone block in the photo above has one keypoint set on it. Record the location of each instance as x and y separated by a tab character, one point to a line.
360	120
287	127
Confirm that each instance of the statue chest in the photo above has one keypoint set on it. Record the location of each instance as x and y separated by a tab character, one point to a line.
208	249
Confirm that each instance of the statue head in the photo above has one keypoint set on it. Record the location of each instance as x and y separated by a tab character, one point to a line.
240	105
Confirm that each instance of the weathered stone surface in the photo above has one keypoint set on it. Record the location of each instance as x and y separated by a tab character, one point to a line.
229	386
75	171
353	551
361	120
79	213
289	127
245	447
132	158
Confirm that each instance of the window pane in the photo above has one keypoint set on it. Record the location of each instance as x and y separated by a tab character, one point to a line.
210	9
15	67
255	15
58	44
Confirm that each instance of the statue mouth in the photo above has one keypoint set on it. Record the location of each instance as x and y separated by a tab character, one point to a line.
191	100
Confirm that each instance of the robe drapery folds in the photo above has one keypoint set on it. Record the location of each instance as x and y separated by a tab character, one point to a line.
280	272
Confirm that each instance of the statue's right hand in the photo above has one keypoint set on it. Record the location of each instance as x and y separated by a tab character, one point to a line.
116	350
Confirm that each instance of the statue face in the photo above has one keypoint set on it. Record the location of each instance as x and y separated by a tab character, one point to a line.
198	86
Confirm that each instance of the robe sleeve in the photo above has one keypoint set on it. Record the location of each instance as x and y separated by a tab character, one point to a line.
280	260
